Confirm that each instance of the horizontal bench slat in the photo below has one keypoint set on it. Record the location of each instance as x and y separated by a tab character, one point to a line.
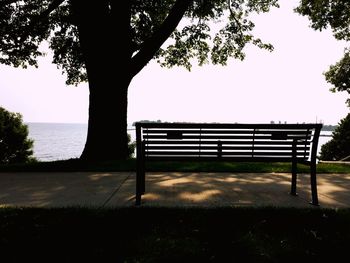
192	142
228	125
227	137
227	131
227	159
248	153
197	147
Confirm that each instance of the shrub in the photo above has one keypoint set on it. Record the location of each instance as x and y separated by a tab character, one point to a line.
339	146
15	147
131	147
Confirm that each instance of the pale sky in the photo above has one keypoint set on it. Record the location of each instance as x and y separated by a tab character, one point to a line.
285	85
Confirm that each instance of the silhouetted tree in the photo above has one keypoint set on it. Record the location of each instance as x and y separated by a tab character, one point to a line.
108	42
339	146
336	15
15	147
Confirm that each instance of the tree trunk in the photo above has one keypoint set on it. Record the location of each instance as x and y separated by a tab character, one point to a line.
107	129
107	64
105	40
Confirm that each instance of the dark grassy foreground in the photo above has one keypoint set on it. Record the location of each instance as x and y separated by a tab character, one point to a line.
130	165
174	235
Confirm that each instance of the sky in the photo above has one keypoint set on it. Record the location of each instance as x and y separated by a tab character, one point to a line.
286	85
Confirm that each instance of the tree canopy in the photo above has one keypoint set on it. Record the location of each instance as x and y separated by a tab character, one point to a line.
26	24
15	146
108	42
336	15
339	146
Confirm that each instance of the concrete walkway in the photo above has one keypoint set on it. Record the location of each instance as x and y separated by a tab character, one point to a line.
111	189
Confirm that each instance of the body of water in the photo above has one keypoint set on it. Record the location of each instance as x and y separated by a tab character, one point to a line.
62	141
57	141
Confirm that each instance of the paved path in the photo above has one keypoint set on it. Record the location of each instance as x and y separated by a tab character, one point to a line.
110	189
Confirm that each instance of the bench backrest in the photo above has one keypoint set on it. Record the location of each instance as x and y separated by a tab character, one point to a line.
256	142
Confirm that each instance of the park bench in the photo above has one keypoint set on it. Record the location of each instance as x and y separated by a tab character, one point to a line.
294	143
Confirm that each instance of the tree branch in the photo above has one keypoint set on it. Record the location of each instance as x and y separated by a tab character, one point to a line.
152	45
44	15
54	4
234	17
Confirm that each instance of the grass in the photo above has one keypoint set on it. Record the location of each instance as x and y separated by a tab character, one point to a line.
130	165
174	235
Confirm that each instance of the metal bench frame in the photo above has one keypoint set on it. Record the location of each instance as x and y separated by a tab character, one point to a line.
295	143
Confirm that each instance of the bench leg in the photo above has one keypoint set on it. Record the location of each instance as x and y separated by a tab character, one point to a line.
138	200
143	179
293	189
140	179
313	182
140	187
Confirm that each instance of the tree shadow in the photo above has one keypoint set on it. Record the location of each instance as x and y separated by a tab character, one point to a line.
171	189
243	189
59	189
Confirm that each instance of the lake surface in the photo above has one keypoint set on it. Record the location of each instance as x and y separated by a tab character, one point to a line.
57	141
61	141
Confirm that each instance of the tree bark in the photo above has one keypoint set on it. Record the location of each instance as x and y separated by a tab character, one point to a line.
107	128
107	64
